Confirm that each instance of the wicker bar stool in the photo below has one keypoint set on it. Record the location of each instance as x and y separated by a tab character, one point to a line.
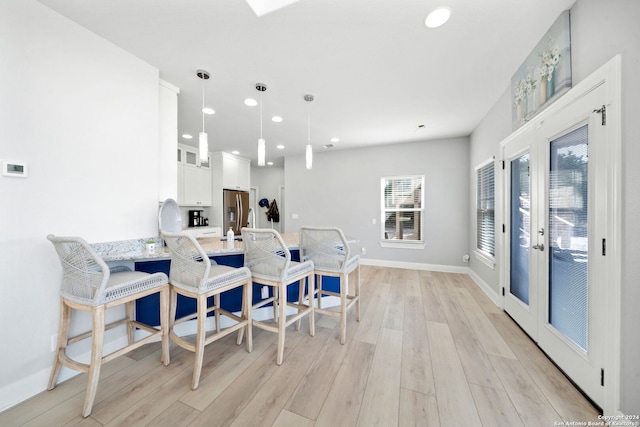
329	250
194	275
269	260
88	284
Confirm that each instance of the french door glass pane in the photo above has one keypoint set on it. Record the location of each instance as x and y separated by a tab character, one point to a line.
520	227
568	260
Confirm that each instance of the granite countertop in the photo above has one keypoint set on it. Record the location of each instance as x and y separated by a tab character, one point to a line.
135	250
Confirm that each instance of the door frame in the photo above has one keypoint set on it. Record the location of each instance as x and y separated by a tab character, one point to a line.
610	75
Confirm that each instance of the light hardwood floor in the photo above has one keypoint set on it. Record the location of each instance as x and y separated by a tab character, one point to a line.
430	350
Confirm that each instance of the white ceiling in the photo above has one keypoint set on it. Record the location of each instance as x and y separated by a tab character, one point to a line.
376	71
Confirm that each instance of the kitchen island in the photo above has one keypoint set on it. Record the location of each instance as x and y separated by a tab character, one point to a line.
133	254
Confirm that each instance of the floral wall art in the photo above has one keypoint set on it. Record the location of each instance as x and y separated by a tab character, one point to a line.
546	73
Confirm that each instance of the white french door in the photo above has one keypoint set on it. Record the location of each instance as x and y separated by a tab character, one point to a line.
556	214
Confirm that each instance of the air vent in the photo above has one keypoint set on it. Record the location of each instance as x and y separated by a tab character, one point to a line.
328	145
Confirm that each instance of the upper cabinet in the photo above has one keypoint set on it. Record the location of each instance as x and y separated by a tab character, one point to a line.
194	178
230	172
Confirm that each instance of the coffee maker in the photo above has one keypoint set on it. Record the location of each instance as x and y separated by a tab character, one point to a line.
196	219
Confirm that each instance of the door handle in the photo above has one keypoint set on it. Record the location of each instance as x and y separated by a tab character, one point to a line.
540	247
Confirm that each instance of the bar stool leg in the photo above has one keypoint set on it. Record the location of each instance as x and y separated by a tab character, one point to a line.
357	292
282	306
130	326
97	342
312	320
301	285
243	314
200	337
216	311
344	286
247	313
165	296
63	338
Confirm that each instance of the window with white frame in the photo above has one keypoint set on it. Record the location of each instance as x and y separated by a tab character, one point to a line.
485	210
402	200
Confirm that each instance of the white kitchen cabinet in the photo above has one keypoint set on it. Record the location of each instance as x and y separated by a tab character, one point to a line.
205	232
231	172
167	141
194	178
189	156
196	185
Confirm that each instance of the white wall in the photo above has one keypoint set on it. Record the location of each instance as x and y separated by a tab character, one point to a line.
84	115
268	181
599	31
485	145
343	189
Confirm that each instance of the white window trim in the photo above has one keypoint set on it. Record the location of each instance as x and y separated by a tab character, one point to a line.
483	256
402	244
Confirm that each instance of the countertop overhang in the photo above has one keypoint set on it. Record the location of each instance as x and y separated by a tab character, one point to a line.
135	250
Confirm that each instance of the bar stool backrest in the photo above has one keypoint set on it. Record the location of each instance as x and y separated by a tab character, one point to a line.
265	253
190	264
327	247
84	272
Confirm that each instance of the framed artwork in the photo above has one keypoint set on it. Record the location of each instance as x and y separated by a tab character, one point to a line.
545	75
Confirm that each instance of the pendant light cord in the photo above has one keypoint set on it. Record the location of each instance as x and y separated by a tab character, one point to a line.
260	115
203	106
309	125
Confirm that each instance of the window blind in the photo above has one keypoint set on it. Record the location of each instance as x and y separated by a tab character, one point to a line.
485	214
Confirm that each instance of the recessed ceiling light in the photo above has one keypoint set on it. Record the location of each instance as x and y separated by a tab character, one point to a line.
236	152
269	163
187	136
437	17
334	139
250	102
208	110
276	119
280	147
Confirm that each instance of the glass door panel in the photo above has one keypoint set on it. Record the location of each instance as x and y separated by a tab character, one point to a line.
520	205
568	236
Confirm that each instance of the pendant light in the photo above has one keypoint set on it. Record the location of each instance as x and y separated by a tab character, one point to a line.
261	87
309	149
203	140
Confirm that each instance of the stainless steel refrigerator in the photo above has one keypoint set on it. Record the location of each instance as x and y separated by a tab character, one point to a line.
235	211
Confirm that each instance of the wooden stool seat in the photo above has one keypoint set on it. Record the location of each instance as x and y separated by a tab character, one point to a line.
194	275
329	250
89	285
269	260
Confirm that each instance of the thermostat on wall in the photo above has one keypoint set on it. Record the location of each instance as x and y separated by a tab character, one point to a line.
10	168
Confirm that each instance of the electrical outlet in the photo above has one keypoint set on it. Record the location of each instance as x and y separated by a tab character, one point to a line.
373	221
264	292
53	342
364	250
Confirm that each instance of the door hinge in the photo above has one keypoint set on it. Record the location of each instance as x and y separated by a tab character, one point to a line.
502	291
602	377
604	247
602	111
504	229
503	165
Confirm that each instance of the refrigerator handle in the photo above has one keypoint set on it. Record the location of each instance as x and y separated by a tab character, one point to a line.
241	214
239	210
